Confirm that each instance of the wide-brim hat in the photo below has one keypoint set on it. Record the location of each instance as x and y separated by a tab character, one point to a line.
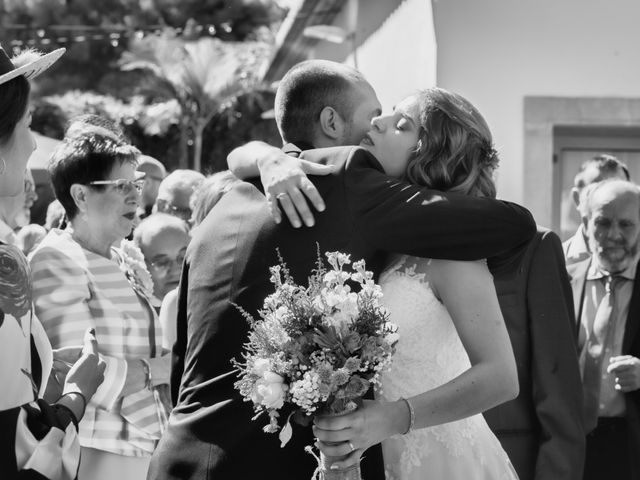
8	71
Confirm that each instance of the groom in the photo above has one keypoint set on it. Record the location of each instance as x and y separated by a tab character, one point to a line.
318	103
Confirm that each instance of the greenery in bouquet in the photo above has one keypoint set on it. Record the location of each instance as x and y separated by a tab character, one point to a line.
317	348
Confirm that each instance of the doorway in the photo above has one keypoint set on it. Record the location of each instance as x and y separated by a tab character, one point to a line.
575	145
559	134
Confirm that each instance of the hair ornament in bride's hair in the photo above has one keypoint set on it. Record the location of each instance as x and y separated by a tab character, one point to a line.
490	156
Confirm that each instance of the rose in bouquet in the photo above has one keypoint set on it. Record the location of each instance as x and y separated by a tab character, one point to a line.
317	348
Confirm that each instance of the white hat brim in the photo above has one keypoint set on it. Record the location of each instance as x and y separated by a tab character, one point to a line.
35	68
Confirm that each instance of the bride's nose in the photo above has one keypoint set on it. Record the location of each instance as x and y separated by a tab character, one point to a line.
377	123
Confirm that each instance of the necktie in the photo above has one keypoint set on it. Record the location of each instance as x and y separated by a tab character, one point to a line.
602	327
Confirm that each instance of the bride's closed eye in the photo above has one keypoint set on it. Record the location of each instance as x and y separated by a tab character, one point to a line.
405	122
402	125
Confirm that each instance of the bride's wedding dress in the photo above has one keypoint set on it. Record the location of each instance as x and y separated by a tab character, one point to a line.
429	354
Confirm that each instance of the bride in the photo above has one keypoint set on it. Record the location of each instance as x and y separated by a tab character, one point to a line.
454	359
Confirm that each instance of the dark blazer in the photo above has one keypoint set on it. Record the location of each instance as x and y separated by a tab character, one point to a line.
630	346
542	429
210	432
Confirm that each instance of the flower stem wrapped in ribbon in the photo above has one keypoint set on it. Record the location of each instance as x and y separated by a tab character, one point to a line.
317	348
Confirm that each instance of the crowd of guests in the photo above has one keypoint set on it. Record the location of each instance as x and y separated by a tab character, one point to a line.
109	258
110	251
107	264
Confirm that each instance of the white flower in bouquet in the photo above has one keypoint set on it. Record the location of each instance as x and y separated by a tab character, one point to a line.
132	264
270	391
260	366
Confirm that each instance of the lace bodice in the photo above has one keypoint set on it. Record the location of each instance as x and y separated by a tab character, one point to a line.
428	339
429	353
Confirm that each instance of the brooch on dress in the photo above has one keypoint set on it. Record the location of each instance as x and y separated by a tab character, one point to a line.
15	283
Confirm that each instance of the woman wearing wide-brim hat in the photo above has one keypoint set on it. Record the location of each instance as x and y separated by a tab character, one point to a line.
39	439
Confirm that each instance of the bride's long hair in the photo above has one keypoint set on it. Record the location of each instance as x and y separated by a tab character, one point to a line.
455	149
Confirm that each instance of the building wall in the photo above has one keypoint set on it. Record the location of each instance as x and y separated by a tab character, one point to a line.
497	52
396	47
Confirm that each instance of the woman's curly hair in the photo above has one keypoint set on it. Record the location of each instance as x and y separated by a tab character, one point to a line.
455	148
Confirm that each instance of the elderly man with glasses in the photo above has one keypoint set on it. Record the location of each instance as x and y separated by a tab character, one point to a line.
175	191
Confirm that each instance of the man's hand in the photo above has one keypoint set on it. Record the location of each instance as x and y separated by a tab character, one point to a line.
626	370
285	180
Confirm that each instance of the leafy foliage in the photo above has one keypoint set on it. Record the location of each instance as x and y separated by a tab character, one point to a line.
204	76
151	127
232	19
93	60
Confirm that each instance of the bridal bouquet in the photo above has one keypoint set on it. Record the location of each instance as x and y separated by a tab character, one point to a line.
318	348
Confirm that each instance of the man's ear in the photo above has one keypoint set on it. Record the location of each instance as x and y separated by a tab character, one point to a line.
331	123
585	223
160	205
575	196
79	194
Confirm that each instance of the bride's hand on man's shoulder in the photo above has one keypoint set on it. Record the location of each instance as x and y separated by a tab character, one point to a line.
286	185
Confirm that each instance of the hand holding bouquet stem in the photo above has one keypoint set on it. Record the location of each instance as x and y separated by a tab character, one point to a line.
344	438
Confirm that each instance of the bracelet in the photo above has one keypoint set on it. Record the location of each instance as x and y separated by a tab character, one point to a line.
147	371
412	415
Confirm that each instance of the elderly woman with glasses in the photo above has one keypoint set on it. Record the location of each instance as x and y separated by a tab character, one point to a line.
88	275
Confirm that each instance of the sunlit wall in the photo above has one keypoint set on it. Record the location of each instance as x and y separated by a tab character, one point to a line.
496	52
395	46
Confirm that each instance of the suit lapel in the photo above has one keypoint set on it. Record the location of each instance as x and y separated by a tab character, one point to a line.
578	274
633	320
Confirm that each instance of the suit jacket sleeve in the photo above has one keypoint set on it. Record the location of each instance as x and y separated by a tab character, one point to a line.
180	345
39	442
557	388
396	216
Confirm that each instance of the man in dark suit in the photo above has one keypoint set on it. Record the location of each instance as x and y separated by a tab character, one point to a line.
606	292
210	432
541	430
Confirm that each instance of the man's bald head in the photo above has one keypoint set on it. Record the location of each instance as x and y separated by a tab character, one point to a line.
175	191
611	218
312	86
155	173
163	240
151	166
606	191
155	225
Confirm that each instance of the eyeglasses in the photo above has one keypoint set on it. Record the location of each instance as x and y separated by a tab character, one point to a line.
121	185
164	264
181	212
